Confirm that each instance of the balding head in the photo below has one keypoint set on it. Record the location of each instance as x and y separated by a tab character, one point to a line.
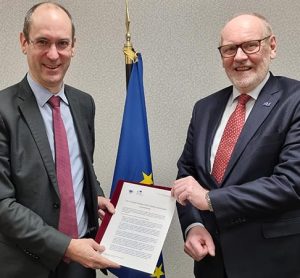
49	5
247	23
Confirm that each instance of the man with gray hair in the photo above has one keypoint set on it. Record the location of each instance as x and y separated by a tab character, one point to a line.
238	184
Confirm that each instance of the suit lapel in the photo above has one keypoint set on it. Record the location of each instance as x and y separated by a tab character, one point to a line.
218	110
264	104
79	120
206	118
82	112
29	109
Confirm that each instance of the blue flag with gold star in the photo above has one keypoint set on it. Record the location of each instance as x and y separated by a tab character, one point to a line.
133	160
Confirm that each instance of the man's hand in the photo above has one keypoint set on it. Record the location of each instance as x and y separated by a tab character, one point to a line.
104	205
188	189
199	243
87	252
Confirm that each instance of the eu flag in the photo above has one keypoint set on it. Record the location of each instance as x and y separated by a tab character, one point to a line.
133	160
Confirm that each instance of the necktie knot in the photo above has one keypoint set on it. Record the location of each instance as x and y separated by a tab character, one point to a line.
54	101
243	99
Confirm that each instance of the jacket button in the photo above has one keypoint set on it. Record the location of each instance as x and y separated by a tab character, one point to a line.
56	205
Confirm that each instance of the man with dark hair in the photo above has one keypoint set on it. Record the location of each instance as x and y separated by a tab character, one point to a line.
238	186
50	199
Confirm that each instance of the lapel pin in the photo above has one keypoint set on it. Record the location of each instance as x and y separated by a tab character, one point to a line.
268	104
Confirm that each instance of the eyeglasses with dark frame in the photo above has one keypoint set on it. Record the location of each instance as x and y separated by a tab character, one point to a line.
43	44
249	47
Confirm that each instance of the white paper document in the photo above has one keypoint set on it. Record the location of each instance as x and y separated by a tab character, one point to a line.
136	232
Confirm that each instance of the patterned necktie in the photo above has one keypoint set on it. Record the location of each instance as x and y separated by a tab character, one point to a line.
229	138
67	218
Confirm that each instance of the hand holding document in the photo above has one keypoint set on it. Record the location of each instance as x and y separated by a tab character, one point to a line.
134	236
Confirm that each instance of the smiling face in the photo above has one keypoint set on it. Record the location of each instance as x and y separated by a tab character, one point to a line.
48	67
247	71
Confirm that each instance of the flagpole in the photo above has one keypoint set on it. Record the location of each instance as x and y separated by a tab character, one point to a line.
130	54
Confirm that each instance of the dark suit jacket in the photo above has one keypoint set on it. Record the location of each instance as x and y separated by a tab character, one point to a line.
30	245
256	219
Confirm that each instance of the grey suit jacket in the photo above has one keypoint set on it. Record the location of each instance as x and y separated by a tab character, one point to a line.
30	244
256	219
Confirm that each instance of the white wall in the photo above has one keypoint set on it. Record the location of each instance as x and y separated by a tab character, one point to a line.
178	40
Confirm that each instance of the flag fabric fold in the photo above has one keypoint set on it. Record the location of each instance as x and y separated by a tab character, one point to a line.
133	161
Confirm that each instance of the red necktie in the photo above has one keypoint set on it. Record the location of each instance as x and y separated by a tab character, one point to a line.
230	135
67	218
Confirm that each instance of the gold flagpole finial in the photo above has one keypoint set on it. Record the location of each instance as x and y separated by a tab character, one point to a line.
130	54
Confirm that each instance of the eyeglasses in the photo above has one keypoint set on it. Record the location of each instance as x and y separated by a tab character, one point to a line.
44	44
249	47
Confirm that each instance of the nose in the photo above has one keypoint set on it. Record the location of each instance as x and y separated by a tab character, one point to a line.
240	55
52	52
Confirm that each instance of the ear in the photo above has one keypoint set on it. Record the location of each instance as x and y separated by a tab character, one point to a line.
23	43
73	48
273	46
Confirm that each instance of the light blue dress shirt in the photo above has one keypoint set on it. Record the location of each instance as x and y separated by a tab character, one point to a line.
42	95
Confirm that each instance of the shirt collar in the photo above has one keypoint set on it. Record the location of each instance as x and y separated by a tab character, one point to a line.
254	93
42	95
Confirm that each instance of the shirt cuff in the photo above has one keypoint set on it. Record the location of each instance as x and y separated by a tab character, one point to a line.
192	226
